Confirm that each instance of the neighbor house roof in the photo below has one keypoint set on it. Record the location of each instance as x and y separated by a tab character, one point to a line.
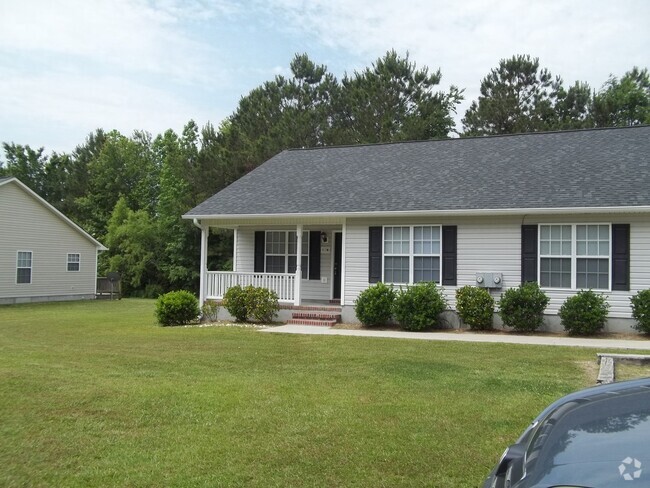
57	213
599	168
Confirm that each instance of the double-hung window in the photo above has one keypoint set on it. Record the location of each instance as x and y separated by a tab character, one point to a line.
575	256
74	262
411	254
281	252
592	256
24	267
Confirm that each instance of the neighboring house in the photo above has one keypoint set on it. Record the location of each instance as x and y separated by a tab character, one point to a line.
569	210
43	255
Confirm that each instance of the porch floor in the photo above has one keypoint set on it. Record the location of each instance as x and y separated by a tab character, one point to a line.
313	305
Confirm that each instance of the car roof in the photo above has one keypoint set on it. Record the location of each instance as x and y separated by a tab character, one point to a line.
594	392
588	437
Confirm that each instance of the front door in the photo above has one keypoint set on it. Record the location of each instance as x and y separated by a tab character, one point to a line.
336	278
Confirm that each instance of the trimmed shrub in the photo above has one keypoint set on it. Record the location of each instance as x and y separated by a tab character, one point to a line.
584	313
262	304
255	303
374	306
210	311
475	306
177	308
235	302
641	310
417	307
522	308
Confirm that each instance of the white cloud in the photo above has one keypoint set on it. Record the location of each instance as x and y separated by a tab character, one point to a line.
83	103
131	36
70	66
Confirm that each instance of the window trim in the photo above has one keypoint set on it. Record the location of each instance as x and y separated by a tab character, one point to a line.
574	255
30	267
304	269
68	262
411	254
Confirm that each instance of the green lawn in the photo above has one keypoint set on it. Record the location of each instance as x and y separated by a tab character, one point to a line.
95	394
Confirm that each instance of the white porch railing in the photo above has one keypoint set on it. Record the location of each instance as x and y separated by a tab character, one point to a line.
218	283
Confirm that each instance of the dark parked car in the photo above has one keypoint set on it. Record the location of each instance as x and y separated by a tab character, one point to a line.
598	437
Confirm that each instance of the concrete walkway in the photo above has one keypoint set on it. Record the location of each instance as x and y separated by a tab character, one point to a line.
466	336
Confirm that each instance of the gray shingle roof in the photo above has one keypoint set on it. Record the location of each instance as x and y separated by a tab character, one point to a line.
587	168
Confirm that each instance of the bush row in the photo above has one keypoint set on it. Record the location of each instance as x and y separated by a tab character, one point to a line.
245	304
417	307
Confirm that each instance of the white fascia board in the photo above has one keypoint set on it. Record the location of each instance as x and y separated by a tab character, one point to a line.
54	210
434	213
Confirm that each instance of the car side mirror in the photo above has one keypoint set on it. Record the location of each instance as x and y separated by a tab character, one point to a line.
513	453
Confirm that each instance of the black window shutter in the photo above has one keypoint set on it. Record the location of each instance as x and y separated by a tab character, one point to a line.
259	251
374	254
620	256
528	253
449	254
314	255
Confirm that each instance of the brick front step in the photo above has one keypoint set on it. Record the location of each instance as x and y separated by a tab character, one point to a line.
324	316
317	315
324	323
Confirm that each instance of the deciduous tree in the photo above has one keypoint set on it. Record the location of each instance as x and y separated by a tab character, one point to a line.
624	102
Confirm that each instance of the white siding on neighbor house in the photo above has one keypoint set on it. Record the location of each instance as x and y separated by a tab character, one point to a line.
27	225
493	244
311	289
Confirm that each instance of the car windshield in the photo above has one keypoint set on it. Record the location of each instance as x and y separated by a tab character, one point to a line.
603	442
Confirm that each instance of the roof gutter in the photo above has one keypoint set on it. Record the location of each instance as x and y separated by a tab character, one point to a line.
420	213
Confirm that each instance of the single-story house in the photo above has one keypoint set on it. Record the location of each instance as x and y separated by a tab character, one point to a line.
569	210
44	256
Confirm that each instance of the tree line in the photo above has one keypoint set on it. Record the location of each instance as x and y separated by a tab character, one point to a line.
130	191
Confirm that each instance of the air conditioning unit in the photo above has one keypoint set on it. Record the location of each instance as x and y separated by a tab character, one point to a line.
489	280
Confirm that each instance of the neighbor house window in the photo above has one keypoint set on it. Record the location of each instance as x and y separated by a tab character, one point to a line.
411	254
24	267
74	261
574	256
281	252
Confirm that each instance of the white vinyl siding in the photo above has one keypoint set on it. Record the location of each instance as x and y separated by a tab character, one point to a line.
26	224
493	244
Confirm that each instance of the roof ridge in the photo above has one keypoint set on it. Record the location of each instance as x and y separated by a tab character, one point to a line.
492	136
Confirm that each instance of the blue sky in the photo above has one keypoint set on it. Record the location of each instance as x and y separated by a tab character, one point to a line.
68	67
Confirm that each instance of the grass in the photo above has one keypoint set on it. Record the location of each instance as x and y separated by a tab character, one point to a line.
626	371
94	394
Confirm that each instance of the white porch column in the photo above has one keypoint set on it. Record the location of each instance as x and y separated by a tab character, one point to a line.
205	231
234	249
298	283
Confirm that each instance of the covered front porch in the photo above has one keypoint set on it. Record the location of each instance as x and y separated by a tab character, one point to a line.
301	262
